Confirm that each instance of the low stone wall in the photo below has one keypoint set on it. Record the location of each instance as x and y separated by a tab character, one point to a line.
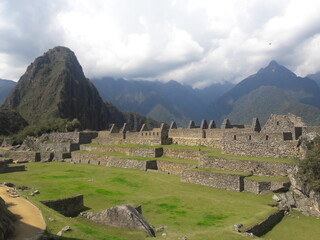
208	142
58	146
182	153
22	156
90	158
173	167
256	187
130	163
111	161
130	151
267	224
215	180
69	207
260	168
72	137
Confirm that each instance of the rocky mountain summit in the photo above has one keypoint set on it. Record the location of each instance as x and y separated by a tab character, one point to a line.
273	89
54	86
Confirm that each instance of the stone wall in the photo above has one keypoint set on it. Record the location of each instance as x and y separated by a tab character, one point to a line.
58	146
22	156
259	168
173	167
69	207
208	142
256	187
71	137
183	153
111	161
258	144
267	224
186	133
215	180
130	151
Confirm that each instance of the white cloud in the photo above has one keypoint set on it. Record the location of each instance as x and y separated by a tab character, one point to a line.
192	41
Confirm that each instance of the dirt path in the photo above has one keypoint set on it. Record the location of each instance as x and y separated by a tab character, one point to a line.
31	223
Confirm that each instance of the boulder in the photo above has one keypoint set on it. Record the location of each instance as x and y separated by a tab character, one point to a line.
301	197
123	216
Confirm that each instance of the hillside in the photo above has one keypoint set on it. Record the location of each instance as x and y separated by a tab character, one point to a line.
54	86
5	88
273	89
166	102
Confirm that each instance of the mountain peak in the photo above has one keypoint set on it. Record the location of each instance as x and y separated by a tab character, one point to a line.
273	63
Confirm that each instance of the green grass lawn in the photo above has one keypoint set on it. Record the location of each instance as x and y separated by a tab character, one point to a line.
295	226
194	211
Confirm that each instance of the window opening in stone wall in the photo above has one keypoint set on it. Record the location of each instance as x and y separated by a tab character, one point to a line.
157	134
277	123
250	138
267	138
234	137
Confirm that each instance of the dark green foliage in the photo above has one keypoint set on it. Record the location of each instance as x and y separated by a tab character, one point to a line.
5	88
51	125
11	122
309	168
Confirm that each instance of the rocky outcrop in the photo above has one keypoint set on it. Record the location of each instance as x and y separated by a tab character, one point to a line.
123	216
300	197
6	221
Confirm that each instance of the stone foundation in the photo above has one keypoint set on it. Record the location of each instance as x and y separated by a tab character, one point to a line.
216	180
182	153
69	207
22	156
130	151
173	167
112	161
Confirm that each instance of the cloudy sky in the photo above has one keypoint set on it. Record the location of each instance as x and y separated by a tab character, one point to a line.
196	42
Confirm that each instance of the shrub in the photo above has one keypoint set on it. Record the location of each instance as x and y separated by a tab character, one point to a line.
309	167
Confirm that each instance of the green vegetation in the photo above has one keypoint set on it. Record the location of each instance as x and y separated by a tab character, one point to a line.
11	122
188	210
47	126
309	167
295	226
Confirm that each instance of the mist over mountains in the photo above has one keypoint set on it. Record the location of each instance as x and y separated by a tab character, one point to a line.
54	85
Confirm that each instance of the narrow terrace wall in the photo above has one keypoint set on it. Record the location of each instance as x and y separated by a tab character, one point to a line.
111	161
260	168
72	137
183	153
130	151
22	156
267	224
173	167
215	180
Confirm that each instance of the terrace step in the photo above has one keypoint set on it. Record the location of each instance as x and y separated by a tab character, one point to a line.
151	152
227	180
256	167
109	160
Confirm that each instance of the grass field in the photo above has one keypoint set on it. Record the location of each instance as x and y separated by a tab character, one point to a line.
194	211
